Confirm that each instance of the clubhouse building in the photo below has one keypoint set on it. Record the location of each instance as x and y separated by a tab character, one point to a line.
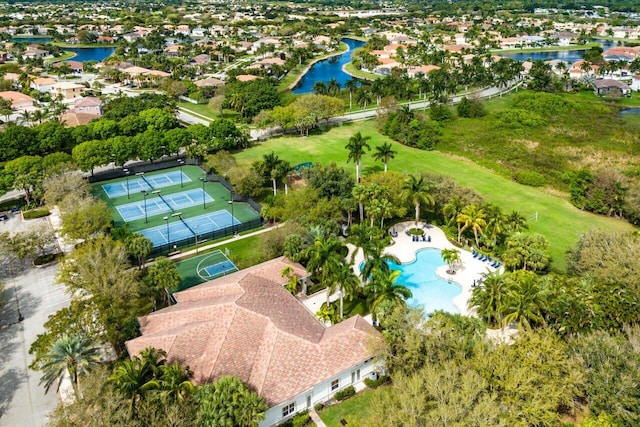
246	324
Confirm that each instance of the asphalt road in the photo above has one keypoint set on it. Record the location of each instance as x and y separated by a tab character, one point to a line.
32	292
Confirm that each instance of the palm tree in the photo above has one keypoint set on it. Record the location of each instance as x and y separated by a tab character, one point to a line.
495	221
363	237
333	87
174	381
133	378
384	153
325	258
489	299
516	222
351	85
471	217
451	211
70	354
376	263
293	281
360	194
418	190
451	257
526	300
384	293
348	284
356	146
363	97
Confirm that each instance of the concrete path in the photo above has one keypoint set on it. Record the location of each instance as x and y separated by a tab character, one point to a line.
316	418
30	296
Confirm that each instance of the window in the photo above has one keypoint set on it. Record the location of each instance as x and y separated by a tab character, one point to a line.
288	409
335	384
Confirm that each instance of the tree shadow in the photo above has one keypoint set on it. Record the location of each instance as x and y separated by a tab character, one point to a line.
376	168
11	381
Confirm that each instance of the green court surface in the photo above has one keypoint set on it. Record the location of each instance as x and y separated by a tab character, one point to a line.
203	268
221	196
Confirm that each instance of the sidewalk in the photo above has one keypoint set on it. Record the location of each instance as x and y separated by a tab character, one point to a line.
316	418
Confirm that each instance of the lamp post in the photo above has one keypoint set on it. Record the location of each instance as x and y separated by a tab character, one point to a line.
166	221
179	215
140	174
233	224
145	194
126	172
113	160
196	230
204	195
181	163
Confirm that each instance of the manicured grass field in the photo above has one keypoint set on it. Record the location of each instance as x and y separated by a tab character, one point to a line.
354	409
242	211
242	252
559	221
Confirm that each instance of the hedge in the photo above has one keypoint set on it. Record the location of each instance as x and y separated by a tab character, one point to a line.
344	393
36	213
376	383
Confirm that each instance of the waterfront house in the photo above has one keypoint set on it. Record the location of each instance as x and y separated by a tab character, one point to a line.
611	88
67	90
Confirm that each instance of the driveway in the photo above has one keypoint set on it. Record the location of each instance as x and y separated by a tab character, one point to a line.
32	293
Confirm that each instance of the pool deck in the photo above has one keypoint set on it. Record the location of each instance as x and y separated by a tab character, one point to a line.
405	249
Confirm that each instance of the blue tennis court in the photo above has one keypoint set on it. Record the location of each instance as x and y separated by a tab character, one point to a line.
147	183
162	204
178	229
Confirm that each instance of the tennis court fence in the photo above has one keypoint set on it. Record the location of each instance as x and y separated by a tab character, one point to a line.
207	237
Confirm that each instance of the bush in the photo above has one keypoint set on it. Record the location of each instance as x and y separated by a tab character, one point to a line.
544	104
36	213
515	117
344	393
440	113
376	383
318	406
470	108
299	420
532	178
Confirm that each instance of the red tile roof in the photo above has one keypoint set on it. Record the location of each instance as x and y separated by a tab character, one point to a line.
247	325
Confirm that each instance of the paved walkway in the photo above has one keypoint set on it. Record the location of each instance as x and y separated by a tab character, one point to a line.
316	418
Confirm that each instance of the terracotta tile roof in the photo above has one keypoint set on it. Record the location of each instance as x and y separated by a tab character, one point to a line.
72	119
247	325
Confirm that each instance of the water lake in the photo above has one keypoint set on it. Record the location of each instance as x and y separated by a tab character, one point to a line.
328	68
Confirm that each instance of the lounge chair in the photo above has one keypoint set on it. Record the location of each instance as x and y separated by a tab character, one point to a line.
424	238
428	238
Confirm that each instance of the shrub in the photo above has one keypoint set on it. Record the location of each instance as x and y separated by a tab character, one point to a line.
470	108
298	420
532	178
36	213
318	406
440	113
544	104
376	383
515	117
344	393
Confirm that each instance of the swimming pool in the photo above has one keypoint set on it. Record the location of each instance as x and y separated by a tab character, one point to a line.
429	291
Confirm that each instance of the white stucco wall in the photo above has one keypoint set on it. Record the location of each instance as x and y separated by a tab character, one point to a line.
320	393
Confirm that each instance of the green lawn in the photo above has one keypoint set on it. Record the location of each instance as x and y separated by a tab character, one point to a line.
354	409
558	220
349	68
242	252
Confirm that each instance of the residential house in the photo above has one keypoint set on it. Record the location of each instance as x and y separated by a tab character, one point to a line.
246	77
246	324
208	82
565	38
67	90
19	101
89	105
73	119
423	70
611	88
43	84
76	66
201	59
33	53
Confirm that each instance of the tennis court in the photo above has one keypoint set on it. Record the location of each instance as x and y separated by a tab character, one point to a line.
162	204
145	183
177	228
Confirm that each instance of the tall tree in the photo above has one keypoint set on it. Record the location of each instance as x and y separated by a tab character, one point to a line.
325	259
384	153
71	354
471	217
418	191
384	294
356	147
229	402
